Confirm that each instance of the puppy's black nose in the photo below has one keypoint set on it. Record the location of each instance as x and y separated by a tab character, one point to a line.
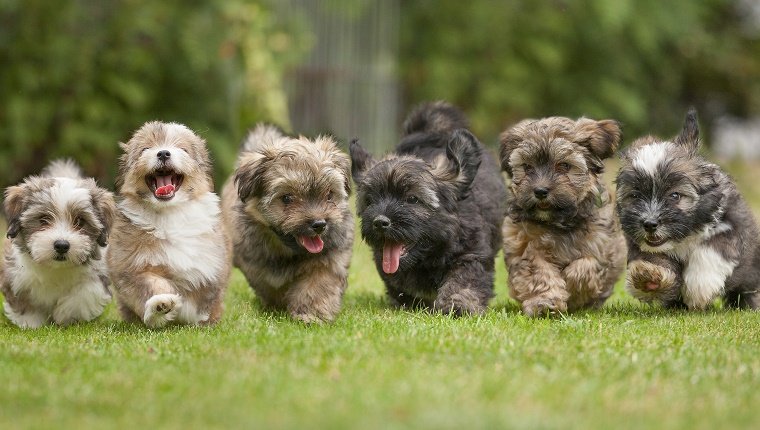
650	225
318	226
61	246
164	155
540	193
381	222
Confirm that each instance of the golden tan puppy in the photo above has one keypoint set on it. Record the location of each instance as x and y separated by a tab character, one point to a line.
169	259
287	211
562	241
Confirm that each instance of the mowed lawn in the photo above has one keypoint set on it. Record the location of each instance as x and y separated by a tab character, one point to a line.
625	366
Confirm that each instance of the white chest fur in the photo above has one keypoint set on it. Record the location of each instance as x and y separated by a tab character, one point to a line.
189	239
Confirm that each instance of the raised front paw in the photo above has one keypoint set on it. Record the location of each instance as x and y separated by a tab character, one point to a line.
460	303
161	309
649	277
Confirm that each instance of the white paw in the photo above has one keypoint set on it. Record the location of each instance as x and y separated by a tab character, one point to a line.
27	320
161	309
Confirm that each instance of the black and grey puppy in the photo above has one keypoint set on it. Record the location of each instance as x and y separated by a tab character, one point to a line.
691	237
432	213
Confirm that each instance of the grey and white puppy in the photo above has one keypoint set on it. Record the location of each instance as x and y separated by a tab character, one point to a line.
691	237
58	227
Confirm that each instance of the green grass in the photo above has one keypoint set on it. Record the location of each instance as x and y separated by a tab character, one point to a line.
625	366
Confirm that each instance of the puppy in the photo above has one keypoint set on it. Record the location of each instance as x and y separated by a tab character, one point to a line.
287	210
169	260
562	242
691	237
431	213
58	226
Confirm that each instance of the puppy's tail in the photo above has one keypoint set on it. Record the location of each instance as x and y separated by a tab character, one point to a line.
435	117
260	134
62	168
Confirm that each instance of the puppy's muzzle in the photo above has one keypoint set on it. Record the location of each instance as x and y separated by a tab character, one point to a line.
318	226
650	225
163	155
381	223
540	192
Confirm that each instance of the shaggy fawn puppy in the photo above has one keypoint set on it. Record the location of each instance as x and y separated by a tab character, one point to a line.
58	227
691	237
170	255
287	209
562	242
431	212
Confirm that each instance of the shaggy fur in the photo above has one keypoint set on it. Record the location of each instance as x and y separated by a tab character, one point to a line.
562	242
287	210
691	236
58	227
169	260
431	213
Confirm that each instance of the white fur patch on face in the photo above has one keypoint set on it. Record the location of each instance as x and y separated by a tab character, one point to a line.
705	276
649	157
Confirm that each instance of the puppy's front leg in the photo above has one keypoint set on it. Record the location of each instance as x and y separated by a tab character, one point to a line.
162	304
84	304
466	289
538	285
654	277
584	278
316	297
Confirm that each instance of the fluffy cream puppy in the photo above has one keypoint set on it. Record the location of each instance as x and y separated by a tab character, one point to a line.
170	256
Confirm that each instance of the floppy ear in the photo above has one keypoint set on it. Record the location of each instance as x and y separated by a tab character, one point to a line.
106	206
601	138
464	157
689	135
361	160
508	142
14	206
344	164
249	175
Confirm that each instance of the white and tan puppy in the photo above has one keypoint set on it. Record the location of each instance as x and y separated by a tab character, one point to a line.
58	226
170	256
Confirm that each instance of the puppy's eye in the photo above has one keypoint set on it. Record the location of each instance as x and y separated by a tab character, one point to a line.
562	168
330	196
78	222
287	199
675	197
412	200
527	168
45	221
144	149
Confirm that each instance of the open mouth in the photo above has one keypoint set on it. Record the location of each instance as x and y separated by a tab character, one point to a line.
59	257
313	244
543	205
392	253
164	183
654	242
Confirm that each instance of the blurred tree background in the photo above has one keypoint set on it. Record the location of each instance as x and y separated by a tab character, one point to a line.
79	76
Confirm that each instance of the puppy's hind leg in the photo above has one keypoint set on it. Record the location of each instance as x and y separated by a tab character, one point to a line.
466	289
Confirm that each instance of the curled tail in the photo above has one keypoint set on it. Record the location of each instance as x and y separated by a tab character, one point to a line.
63	168
435	117
261	133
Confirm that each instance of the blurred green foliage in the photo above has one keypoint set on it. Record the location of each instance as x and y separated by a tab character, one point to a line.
642	62
79	76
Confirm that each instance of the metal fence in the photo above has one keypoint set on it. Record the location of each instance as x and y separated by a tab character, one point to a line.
348	86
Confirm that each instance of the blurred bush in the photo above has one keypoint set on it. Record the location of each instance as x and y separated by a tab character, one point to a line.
79	76
640	61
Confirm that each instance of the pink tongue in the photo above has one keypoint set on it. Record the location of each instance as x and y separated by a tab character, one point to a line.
312	244
165	190
391	256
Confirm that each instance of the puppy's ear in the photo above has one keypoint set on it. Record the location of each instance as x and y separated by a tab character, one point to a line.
464	156
601	138
361	160
689	135
249	176
508	142
343	162
106	206
14	206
